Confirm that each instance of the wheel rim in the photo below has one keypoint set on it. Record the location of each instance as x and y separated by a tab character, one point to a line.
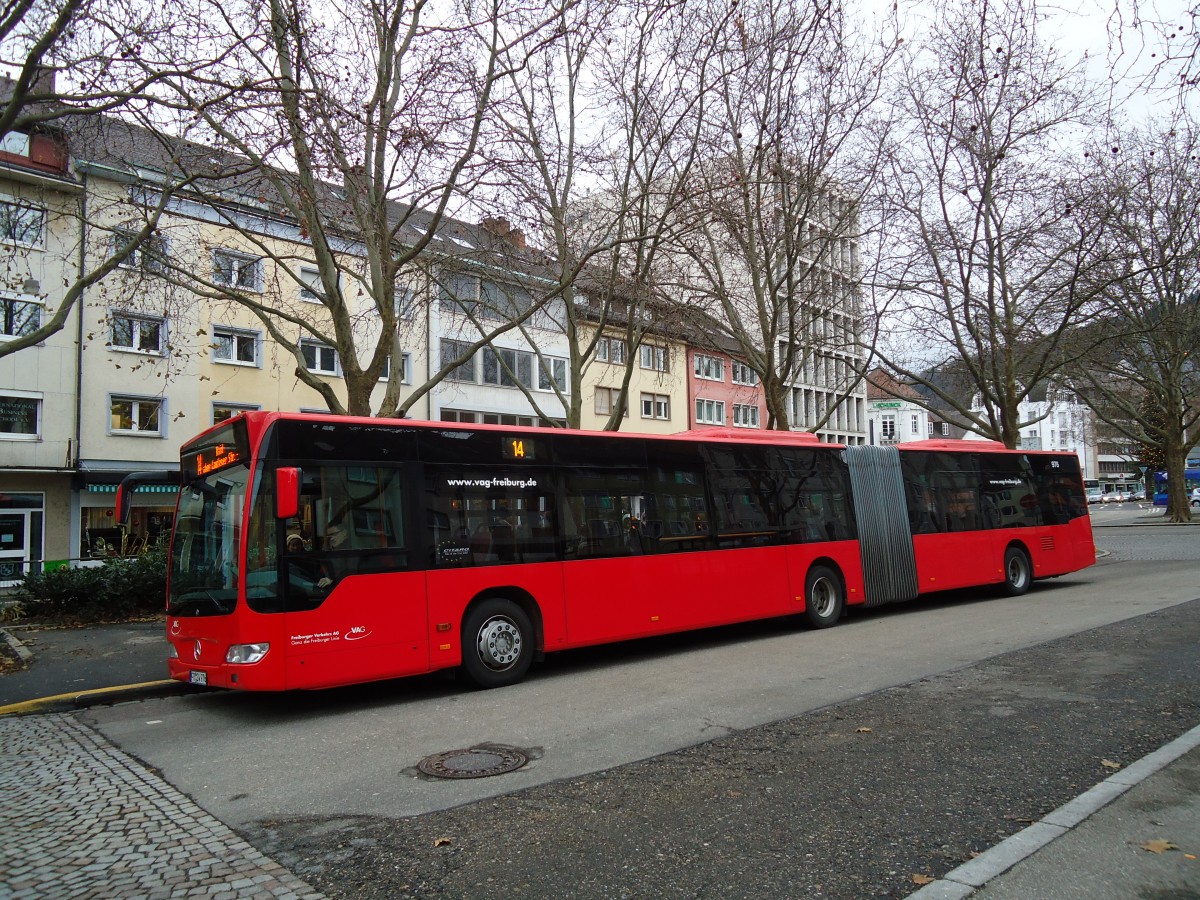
499	643
1016	570
823	600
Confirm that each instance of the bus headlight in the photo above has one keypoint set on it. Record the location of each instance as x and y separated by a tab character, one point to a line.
172	651
242	654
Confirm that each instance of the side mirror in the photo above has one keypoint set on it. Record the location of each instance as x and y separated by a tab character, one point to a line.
287	492
124	502
130	483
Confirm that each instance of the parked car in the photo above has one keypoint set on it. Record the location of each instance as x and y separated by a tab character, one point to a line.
1196	498
1114	497
1095	494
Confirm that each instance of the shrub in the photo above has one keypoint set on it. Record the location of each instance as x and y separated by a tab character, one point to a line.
121	589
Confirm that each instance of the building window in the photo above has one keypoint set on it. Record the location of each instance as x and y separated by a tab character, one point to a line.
140	334
148	256
465	417
136	415
710	412
745	415
310	285
223	411
19	317
21	223
931	429
458	292
405	369
517	367
20	417
233	346
607	400
916	424
236	270
319	358
743	374
611	350
945	429
483	298
655	358
406	302
503	301
710	368
556	377
452	350
887	427
656	406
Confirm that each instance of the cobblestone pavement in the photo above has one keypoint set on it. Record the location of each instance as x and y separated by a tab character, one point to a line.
82	819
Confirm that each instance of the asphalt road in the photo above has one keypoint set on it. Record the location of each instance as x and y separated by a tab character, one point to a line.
757	760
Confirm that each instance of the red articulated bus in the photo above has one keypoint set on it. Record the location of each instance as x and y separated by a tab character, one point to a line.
312	551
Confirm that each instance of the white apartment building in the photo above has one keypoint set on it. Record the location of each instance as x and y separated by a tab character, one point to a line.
39	415
1054	418
894	415
826	385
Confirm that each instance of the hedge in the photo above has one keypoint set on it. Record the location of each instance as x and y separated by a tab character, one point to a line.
119	590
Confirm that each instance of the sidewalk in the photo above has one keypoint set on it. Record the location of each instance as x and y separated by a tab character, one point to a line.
83	819
1136	834
86	819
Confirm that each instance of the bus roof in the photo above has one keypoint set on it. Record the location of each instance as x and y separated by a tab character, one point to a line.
257	420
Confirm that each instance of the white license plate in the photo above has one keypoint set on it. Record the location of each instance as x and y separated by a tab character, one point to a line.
198	677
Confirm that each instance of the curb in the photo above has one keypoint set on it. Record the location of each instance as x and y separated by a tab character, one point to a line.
966	879
147	690
121	693
23	652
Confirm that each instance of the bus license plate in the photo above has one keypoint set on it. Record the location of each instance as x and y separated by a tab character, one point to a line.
197	677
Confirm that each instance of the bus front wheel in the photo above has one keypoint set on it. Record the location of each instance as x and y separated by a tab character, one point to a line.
497	643
824	599
1018	573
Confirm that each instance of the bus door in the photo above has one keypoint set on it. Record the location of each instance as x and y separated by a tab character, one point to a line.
489	528
638	534
354	590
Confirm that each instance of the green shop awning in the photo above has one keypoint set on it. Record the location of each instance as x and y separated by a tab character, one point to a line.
142	488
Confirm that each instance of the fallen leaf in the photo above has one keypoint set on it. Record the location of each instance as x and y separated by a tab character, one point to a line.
863	730
441	842
1109	764
1189	856
922	879
1159	846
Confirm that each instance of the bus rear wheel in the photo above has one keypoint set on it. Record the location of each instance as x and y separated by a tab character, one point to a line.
824	597
497	643
1018	573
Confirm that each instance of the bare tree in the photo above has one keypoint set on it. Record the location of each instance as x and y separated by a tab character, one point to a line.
768	224
342	143
595	124
983	259
73	57
74	62
1142	371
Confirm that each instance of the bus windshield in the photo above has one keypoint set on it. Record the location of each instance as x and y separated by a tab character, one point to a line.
204	545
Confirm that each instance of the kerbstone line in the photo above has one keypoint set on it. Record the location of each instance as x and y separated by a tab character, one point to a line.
86	820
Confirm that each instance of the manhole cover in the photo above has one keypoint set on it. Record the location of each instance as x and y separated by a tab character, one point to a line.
475	762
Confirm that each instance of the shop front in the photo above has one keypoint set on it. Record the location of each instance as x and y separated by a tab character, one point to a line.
102	537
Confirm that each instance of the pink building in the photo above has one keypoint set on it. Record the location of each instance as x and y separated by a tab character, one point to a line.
723	391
